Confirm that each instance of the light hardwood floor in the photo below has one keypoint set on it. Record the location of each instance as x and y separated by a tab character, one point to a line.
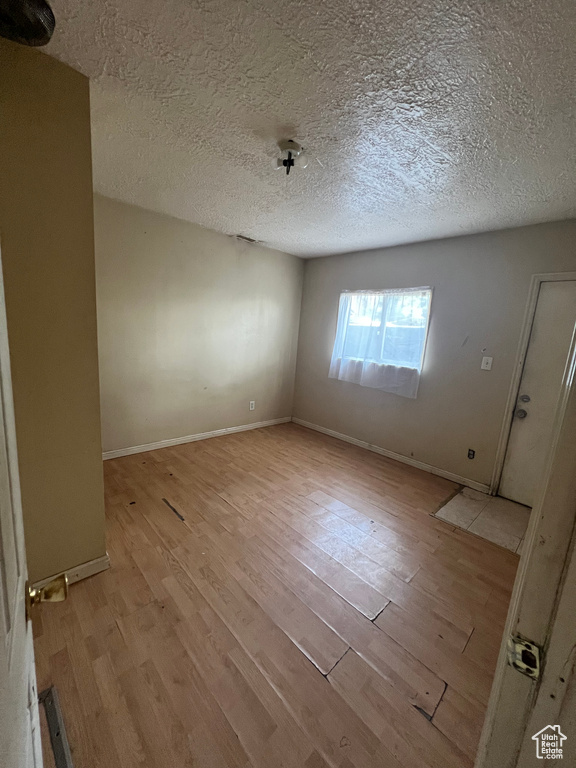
307	612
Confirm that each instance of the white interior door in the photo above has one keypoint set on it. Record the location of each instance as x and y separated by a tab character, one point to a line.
19	723
552	330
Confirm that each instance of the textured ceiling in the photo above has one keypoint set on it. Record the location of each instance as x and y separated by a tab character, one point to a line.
423	118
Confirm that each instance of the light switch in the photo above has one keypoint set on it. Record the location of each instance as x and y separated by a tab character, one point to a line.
486	363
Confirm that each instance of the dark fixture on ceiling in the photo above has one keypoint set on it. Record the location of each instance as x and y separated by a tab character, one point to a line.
292	156
29	22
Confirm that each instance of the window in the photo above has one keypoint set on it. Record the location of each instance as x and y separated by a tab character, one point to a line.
381	337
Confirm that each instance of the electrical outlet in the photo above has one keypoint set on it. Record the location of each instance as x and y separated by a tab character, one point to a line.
486	363
252	405
471	453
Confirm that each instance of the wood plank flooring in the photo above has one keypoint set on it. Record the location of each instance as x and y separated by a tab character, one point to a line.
307	612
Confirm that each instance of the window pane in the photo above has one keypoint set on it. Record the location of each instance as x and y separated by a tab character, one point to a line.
366	309
363	338
406	318
403	346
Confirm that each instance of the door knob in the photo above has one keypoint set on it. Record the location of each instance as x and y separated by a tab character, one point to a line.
521	413
54	592
524	398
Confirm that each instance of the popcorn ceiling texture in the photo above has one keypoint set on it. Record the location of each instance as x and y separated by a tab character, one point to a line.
423	118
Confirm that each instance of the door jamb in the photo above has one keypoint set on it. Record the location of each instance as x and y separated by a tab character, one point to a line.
545	559
530	311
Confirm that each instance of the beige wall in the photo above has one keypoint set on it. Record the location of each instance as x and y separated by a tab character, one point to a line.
46	239
192	325
481	285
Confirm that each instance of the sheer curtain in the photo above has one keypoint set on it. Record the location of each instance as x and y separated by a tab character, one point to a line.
380	339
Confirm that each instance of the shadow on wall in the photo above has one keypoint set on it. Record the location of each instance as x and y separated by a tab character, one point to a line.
193	325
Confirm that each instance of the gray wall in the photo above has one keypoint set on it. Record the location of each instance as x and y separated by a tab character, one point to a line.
192	325
481	285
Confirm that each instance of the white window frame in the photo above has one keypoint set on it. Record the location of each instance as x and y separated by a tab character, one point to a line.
390	292
386	375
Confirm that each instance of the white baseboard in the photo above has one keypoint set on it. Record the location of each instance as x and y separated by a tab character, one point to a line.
79	572
397	457
191	438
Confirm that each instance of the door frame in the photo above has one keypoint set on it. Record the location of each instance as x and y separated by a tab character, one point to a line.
543	581
526	332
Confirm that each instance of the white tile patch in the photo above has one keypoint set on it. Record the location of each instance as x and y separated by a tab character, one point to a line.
470	493
489	530
461	510
511	518
499	520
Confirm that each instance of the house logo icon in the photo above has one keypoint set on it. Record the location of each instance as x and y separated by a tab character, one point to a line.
549	743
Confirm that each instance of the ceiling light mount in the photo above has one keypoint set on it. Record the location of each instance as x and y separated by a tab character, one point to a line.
292	155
